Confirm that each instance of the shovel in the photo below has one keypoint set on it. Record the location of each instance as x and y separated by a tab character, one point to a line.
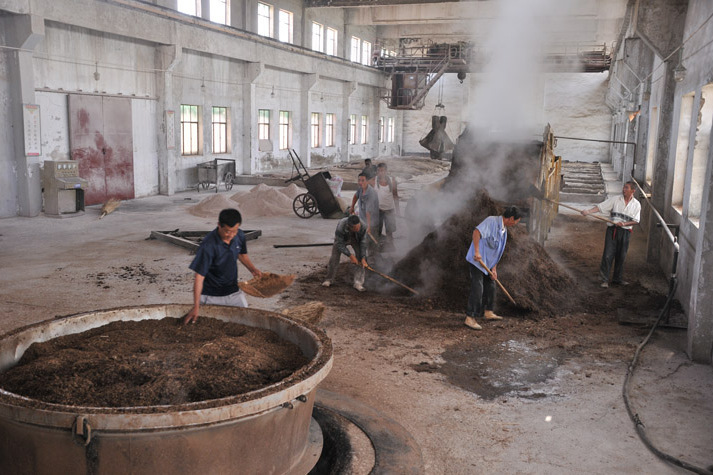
579	211
498	282
391	279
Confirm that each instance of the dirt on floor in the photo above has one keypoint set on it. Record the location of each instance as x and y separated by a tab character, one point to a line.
152	363
567	315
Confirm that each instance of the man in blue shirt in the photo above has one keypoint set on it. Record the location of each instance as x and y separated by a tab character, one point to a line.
488	245
216	267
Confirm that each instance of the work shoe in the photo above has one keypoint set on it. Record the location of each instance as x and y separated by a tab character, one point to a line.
604	285
622	283
359	287
470	322
326	283
490	315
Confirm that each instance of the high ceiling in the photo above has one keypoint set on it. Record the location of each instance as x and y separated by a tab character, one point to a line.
565	21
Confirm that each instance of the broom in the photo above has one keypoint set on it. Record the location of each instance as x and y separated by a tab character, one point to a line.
109	207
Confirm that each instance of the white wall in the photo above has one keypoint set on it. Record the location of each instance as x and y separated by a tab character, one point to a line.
143	124
574	107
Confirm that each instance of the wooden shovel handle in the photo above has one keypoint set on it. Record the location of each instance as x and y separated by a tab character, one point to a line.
579	211
498	282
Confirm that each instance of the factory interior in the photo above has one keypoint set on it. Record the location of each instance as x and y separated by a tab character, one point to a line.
128	126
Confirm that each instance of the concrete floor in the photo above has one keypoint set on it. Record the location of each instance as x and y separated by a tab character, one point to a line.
52	267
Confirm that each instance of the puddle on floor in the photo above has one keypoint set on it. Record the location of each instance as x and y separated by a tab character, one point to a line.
512	366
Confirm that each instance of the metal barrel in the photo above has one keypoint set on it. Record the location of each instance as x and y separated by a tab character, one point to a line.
263	431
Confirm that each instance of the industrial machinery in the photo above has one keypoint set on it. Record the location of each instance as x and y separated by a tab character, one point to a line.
63	188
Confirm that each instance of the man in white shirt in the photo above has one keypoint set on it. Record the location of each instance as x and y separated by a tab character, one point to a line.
625	211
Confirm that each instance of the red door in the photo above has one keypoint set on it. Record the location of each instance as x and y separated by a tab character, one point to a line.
101	141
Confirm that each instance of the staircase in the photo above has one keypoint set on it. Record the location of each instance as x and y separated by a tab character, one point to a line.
582	183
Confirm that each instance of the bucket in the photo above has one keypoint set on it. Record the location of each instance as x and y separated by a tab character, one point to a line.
263	431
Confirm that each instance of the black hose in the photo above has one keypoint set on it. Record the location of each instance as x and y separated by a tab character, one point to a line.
634	416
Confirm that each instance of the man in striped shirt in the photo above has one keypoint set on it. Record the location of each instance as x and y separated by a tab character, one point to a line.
625	211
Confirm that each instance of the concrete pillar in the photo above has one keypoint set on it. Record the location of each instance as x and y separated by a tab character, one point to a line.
663	152
169	150
237	14
349	89
205	9
253	71
305	149
24	32
700	318
629	150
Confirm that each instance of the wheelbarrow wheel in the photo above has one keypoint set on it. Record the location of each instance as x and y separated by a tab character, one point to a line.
228	179
304	205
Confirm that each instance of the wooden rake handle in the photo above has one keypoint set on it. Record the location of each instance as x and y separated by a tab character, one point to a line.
579	211
498	282
391	279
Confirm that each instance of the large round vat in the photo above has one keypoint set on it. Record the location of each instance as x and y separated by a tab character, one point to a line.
263	431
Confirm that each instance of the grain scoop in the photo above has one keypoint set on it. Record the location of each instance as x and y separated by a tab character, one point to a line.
267	285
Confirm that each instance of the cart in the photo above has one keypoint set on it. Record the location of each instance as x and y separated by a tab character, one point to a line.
216	171
319	197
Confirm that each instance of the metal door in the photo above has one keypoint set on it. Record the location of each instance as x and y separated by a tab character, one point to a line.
101	141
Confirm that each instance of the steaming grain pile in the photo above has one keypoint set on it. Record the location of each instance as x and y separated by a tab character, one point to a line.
438	264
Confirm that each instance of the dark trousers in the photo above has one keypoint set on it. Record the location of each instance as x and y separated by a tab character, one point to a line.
616	244
482	293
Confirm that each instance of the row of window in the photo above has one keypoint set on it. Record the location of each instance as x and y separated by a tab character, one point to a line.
324	39
191	120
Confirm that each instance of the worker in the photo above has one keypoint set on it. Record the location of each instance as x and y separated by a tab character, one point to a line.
485	251
368	203
388	194
369	171
216	267
625	211
351	231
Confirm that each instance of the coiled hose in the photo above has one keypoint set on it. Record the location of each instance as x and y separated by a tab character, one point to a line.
640	430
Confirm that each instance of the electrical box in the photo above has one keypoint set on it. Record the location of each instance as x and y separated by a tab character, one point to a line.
63	188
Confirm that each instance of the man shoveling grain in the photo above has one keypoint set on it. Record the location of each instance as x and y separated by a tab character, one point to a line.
486	249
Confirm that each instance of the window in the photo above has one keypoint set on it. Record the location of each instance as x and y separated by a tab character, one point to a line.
329	130
365	53
364	129
264	19
219	11
189	7
220	129
701	149
317	36
679	170
285	130
390	130
382	127
352	129
285	19
332	41
314	129
356	45
263	124
190	123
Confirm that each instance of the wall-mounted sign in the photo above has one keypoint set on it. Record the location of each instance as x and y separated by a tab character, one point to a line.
170	130
31	123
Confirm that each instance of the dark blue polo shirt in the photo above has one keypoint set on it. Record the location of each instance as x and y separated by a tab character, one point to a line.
217	262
